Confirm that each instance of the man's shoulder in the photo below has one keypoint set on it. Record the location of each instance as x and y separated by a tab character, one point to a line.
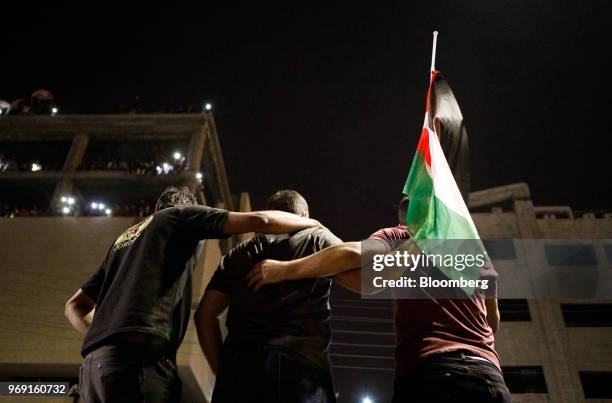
322	234
169	214
391	233
319	231
187	210
261	242
168	211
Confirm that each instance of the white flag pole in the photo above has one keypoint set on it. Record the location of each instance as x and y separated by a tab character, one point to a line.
433	51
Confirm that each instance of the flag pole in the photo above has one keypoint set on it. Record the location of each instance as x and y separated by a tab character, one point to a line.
433	51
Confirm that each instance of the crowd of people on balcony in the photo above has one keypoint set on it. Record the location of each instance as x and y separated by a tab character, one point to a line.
42	102
9	163
145	168
12	210
72	207
139	208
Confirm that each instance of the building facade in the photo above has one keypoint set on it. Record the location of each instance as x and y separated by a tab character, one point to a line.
50	247
551	350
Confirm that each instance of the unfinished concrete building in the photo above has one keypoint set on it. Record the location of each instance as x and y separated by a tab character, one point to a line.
47	257
551	351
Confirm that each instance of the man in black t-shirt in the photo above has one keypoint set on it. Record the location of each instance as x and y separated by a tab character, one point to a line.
135	309
278	338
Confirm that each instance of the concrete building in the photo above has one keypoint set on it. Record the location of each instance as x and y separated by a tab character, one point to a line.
551	351
568	341
46	258
75	145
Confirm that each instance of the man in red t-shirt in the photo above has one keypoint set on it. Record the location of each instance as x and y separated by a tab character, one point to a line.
445	345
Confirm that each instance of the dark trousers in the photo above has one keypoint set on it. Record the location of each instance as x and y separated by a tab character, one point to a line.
453	377
272	375
121	373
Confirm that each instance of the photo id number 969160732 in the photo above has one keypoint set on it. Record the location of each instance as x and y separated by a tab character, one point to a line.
34	389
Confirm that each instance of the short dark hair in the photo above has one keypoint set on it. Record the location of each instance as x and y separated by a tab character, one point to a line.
175	196
402	209
289	201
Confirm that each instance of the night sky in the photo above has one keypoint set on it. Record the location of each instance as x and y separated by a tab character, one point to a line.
330	101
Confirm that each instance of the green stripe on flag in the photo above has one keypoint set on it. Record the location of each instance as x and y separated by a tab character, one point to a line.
435	228
419	189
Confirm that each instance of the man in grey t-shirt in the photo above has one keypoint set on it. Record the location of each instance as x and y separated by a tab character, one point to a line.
278	338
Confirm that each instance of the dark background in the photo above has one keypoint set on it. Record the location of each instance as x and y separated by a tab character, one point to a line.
330	100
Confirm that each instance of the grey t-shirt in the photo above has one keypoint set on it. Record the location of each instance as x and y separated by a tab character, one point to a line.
292	314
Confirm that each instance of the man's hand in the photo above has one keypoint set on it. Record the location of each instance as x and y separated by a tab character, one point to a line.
266	272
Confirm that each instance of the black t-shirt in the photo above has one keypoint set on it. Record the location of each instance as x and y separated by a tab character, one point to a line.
144	284
293	314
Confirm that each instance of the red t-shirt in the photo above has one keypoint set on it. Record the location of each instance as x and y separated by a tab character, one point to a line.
428	326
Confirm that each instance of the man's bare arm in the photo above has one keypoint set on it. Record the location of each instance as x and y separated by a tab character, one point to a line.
79	310
360	281
493	317
329	261
266	222
206	320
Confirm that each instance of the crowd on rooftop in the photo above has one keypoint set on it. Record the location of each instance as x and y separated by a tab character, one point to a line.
11	163
41	102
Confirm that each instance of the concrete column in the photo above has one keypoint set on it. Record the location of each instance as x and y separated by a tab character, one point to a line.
217	156
561	375
73	160
196	148
202	198
76	152
198	379
195	154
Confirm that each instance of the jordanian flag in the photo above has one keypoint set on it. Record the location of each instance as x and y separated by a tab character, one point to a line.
437	208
